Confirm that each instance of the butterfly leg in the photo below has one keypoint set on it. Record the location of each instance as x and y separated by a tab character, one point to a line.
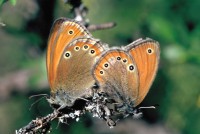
137	113
107	116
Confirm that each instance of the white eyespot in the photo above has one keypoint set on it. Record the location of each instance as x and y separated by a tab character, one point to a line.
106	65
118	58
70	32
101	72
131	68
76	48
92	52
85	47
67	54
149	51
125	61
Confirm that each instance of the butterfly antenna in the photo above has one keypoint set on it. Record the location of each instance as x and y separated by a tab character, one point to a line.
83	99
149	107
37	95
43	96
58	124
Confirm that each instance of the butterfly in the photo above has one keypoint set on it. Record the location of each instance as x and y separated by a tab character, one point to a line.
126	74
71	55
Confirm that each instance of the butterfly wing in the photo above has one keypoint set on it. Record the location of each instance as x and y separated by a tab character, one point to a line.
146	55
73	75
117	76
62	33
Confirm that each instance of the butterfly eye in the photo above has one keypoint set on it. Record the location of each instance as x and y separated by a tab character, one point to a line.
131	67
67	55
92	51
85	47
106	65
149	51
70	32
76	48
101	72
118	58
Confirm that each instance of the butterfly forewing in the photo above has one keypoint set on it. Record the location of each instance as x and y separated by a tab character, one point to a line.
52	38
146	55
117	76
62	33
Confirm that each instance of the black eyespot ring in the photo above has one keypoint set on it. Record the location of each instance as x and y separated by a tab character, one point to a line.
118	58
106	65
67	54
101	72
77	48
86	46
149	51
124	60
131	67
92	51
71	32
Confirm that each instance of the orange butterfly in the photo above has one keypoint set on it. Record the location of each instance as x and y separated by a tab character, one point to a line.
71	54
126	74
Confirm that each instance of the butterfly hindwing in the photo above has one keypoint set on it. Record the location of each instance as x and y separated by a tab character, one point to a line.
117	75
74	76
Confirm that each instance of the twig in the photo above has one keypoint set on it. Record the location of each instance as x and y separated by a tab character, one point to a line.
39	123
80	12
101	26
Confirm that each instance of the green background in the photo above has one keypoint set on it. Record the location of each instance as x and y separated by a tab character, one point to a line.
175	24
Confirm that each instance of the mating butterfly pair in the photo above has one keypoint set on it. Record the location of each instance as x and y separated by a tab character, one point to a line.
80	67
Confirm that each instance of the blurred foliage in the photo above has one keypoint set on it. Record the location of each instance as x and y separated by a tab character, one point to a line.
175	24
13	2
